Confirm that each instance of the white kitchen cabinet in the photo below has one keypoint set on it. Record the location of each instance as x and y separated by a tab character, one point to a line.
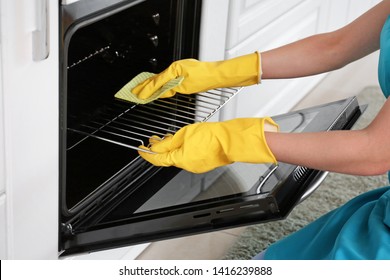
3	236
344	11
357	8
247	17
29	36
258	25
2	150
278	96
338	14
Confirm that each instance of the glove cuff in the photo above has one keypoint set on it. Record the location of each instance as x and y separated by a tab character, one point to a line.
267	124
260	68
244	140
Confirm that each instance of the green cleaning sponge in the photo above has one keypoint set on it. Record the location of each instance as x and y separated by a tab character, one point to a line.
126	94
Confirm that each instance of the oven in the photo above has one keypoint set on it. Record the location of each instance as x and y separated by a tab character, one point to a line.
109	196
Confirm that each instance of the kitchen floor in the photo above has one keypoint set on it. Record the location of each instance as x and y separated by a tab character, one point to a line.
340	84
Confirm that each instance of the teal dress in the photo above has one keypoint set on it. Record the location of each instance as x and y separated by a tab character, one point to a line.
360	229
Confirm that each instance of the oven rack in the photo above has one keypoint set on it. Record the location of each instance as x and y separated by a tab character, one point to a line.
132	126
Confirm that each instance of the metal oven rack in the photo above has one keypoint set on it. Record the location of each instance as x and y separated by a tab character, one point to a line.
132	126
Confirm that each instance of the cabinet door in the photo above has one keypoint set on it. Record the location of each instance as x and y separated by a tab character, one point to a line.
338	14
3	240
278	96
342	12
29	36
246	17
2	151
359	7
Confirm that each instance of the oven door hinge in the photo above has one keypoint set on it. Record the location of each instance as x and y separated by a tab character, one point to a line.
67	230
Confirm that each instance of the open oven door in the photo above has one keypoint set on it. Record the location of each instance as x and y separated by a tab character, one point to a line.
160	203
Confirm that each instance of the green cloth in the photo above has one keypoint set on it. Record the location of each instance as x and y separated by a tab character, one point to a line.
126	94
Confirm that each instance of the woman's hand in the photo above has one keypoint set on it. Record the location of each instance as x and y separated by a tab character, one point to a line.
202	147
201	76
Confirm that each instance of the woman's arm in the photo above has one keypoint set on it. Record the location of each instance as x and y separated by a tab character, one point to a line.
328	51
358	152
362	152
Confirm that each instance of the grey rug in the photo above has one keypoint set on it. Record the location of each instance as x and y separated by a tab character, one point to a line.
333	192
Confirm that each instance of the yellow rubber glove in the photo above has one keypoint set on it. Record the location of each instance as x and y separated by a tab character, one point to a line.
202	147
201	76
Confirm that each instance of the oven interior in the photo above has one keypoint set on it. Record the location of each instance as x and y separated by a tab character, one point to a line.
101	53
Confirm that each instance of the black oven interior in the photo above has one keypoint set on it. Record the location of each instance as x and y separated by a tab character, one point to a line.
100	52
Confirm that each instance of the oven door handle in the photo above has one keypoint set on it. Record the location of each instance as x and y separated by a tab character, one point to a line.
316	182
40	36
